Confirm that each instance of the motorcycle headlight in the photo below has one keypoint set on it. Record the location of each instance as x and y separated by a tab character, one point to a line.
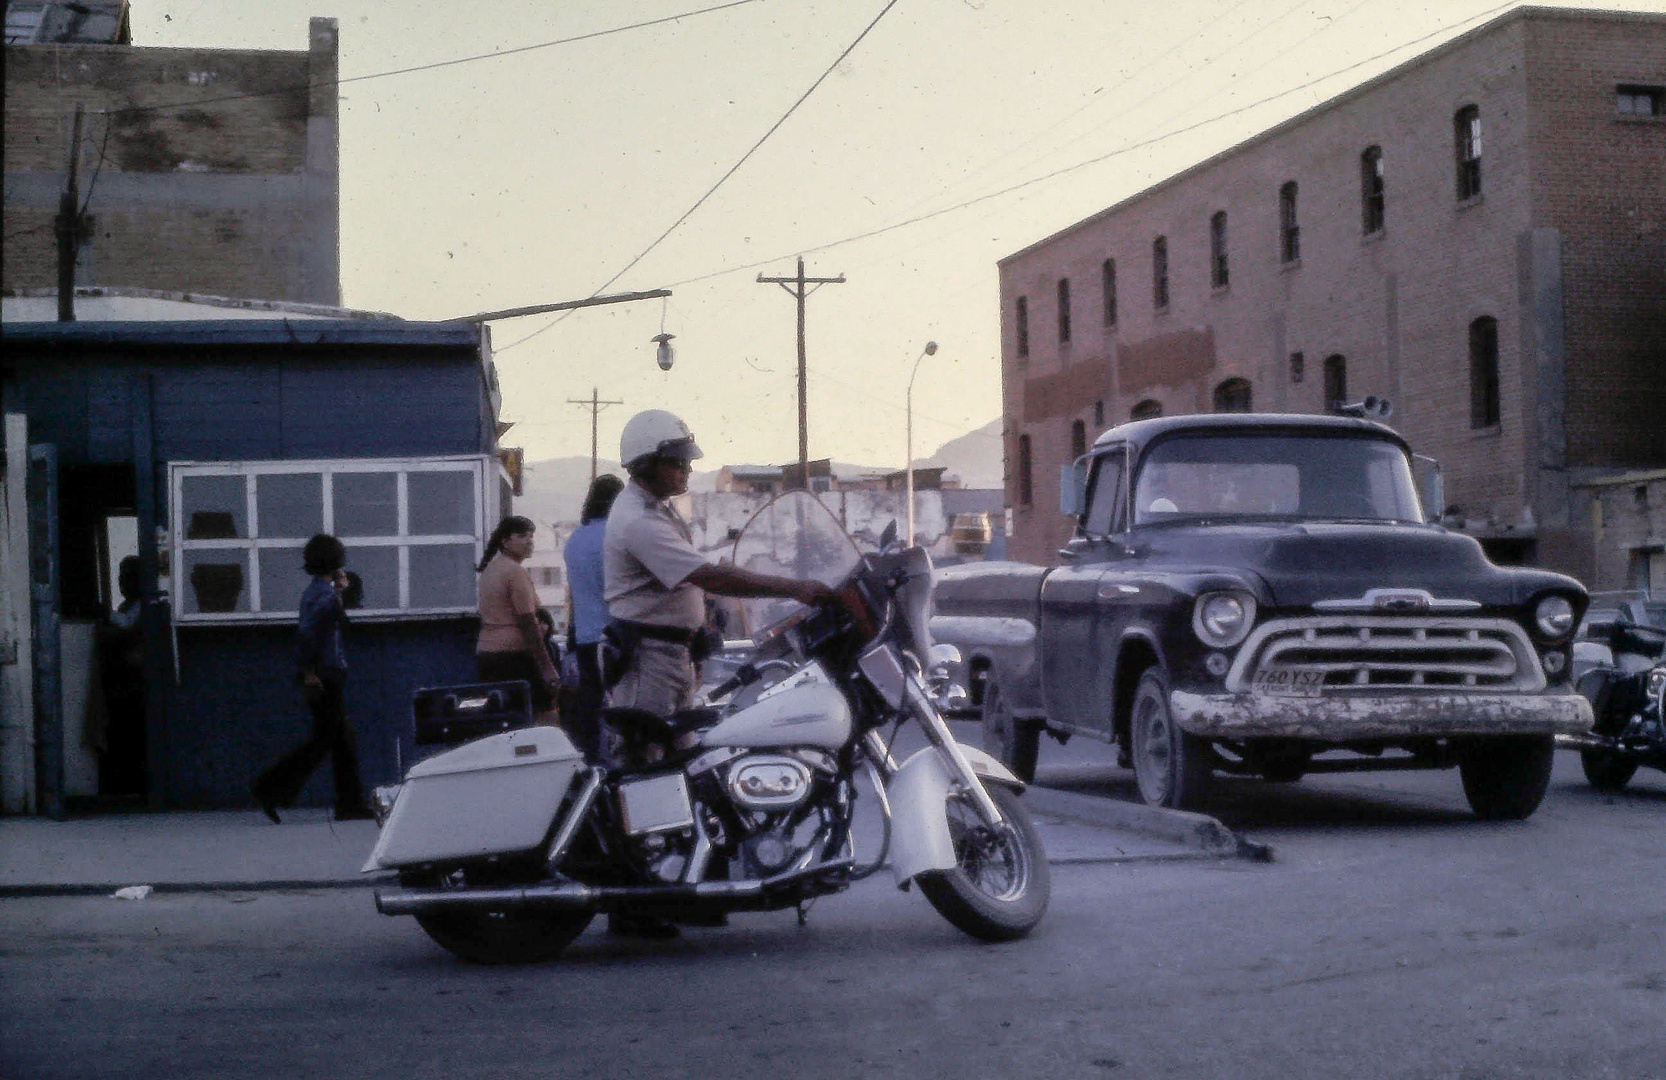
1223	619
1657	683
1554	616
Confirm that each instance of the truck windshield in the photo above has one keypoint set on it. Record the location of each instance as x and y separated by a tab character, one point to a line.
1305	477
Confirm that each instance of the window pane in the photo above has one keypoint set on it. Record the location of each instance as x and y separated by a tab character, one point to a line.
366	504
289	504
281	578
441	503
214	582
378	569
214	507
442	575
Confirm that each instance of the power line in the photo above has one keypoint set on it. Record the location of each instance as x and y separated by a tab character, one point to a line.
198	103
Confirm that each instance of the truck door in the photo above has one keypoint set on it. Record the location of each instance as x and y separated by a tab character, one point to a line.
1076	671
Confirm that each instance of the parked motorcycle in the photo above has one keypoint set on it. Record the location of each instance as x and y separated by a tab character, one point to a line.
507	846
1627	691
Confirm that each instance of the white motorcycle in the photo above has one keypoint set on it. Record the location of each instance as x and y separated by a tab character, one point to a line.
507	846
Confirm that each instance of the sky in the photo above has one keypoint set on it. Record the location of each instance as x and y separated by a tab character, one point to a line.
700	151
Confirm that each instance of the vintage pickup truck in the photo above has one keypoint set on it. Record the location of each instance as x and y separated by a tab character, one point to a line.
1264	595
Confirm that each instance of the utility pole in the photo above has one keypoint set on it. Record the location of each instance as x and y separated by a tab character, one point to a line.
67	224
596	406
795	286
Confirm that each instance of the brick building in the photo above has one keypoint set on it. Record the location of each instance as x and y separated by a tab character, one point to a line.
203	170
1478	235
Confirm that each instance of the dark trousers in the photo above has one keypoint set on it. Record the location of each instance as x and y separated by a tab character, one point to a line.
332	736
584	714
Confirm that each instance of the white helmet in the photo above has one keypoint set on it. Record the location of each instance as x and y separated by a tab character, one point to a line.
656	433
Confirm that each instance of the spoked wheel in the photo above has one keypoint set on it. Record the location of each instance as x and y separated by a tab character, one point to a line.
1015	743
1000	887
496	937
1607	770
1172	768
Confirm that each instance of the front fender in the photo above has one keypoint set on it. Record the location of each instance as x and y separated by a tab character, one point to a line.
919	794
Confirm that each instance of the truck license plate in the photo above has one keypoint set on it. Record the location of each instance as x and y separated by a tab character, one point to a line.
1290	682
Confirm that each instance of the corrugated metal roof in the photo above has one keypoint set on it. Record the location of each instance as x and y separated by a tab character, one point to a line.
320	332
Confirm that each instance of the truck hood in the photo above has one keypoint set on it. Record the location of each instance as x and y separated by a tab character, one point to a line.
1301	563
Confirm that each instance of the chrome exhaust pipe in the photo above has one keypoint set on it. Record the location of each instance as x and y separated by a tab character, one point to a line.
1588	740
571	894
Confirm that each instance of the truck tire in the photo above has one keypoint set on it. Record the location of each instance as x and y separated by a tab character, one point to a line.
1506	778
1606	770
1015	743
1171	767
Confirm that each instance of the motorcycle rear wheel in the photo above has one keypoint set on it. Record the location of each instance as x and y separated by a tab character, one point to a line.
1001	887
1606	770
497	937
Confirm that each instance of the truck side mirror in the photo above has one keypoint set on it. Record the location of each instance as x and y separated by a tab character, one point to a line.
1431	486
1072	487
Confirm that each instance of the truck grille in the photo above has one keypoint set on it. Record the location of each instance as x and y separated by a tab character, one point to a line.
1358	652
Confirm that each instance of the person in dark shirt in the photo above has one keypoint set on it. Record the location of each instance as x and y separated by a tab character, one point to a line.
323	669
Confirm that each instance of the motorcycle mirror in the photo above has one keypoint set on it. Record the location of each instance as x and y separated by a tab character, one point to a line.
889	536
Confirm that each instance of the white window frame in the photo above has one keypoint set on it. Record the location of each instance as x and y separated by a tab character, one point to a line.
484	467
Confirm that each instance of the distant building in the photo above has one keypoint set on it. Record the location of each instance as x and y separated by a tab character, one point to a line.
1476	235
203	170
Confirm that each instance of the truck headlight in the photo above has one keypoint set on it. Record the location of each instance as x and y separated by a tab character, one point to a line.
1223	619
1554	616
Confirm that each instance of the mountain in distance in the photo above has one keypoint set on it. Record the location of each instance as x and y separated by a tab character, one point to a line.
553	489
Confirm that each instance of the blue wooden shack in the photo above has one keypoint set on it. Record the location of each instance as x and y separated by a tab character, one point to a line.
212	450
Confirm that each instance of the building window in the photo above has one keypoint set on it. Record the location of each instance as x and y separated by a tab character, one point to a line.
1371	188
1298	367
1466	133
1483	372
1026	486
1160	272
1217	250
1078	439
1336	382
1021	322
1149	409
1099	414
412	529
1289	231
1064	310
1233	396
1107	277
1640	100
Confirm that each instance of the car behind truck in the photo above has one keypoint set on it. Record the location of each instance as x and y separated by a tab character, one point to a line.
1264	595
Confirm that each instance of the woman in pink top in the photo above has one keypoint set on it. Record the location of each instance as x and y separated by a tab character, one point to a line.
511	644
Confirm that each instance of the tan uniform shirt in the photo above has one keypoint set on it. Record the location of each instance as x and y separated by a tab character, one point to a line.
647	555
506	591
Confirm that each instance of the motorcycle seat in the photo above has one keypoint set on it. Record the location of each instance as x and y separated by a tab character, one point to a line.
639	729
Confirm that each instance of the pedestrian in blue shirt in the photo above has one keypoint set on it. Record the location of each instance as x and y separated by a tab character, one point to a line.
323	670
587	609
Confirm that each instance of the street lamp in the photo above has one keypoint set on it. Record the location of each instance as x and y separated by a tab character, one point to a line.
908	458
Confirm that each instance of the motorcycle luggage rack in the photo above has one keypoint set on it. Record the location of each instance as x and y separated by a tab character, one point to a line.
445	715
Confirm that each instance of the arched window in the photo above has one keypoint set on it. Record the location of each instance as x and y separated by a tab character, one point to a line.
1021	327
1289	229
1160	272
1107	274
1371	189
1149	409
1099	414
1483	372
1233	395
1064	309
1466	137
1078	439
1217	250
1336	382
1026	487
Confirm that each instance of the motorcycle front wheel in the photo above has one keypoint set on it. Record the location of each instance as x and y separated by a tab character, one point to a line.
1001	886
496	937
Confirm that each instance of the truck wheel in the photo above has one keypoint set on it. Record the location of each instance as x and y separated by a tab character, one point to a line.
1606	770
1015	743
1505	778
1171	767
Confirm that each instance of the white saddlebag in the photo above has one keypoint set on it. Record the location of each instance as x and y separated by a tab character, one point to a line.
491	796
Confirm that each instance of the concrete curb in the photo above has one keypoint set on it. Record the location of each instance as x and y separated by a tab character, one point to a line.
1198	831
23	892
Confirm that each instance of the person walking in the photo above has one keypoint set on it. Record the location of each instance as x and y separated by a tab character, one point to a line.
322	661
587	610
511	644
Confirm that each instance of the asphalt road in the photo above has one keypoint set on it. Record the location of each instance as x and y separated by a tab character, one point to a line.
1393	936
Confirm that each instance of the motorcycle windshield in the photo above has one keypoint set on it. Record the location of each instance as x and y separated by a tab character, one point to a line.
794	535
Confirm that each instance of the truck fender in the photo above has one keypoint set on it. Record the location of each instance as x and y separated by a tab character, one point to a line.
918	794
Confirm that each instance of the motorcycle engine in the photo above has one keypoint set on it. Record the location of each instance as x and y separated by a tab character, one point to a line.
768	782
771	792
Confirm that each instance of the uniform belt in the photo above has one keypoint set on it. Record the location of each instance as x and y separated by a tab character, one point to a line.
676	635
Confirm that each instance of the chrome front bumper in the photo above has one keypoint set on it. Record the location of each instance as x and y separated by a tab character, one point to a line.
1348	717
